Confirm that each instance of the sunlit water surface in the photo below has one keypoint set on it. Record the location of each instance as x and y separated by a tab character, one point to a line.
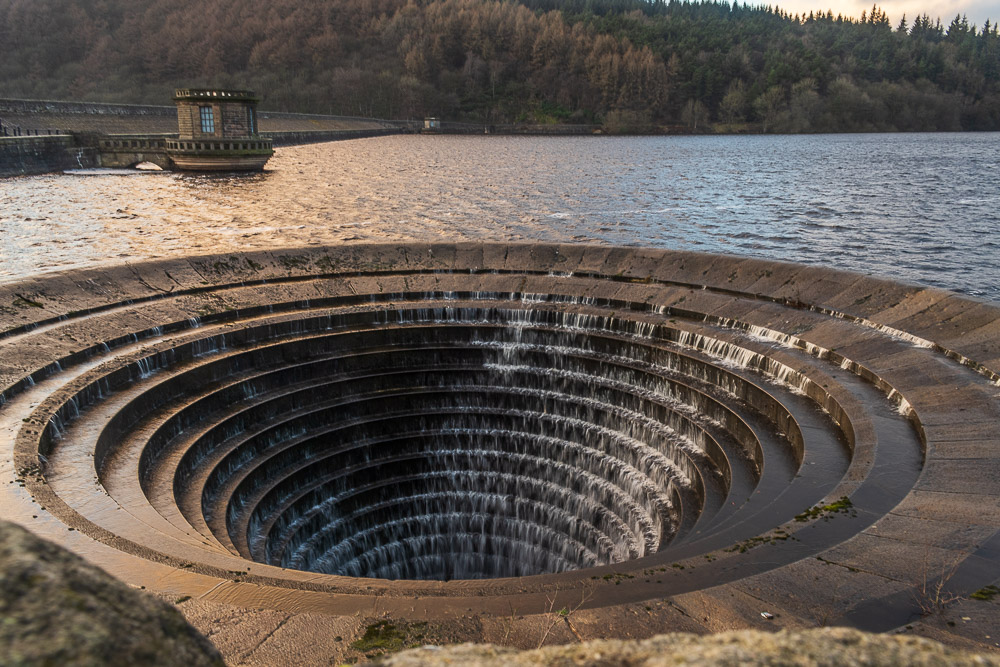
920	207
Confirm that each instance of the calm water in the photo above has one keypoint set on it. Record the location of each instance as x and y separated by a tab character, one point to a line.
922	208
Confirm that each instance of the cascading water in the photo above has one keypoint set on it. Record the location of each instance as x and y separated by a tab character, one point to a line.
440	435
498	420
492	458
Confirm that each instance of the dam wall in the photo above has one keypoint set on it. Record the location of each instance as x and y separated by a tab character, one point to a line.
452	127
43	136
31	117
315	137
43	154
21	156
93	108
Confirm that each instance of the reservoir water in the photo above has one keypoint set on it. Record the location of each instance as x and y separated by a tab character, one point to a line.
922	208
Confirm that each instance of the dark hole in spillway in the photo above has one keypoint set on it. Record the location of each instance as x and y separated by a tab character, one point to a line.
475	419
455	435
490	437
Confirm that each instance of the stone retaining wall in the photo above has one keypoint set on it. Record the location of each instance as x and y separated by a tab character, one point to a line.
295	138
51	106
20	156
448	127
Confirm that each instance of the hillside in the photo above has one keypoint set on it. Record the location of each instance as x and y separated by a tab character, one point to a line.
631	65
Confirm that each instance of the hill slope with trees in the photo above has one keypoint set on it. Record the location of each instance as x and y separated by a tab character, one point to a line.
629	64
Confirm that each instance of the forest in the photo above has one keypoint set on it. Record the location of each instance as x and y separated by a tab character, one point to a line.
630	65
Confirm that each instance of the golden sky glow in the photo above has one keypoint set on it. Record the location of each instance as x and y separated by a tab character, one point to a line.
976	10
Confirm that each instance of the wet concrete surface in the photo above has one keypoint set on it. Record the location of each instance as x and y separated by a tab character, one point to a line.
913	446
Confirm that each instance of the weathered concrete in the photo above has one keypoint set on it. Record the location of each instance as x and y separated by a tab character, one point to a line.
20	156
920	533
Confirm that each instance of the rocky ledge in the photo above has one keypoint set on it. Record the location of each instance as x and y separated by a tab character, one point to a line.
57	609
825	646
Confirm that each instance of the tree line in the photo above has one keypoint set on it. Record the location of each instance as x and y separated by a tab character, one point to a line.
632	65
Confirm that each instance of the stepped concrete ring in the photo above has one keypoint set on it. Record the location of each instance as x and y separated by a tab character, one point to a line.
445	427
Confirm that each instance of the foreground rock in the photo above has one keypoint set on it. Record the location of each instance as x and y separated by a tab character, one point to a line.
827	646
57	609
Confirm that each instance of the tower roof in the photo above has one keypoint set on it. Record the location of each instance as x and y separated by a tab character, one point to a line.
215	94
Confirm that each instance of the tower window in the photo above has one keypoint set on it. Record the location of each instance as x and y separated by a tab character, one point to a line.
207	120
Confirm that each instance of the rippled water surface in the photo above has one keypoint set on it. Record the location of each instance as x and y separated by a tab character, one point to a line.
919	207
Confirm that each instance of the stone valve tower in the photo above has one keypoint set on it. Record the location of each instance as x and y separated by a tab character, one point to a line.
217	131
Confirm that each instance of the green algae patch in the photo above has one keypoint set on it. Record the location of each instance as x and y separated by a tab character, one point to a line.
777	535
384	637
986	593
841	506
23	301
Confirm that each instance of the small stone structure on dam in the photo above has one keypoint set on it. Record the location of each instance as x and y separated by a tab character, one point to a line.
42	136
431	431
217	131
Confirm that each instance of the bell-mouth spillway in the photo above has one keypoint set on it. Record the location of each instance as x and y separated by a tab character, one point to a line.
449	425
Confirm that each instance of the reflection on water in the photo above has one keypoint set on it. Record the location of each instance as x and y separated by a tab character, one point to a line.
921	208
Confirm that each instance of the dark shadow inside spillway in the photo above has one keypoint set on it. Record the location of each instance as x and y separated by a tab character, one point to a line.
459	437
487	429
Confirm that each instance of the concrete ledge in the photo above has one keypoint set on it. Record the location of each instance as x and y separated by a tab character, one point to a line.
864	349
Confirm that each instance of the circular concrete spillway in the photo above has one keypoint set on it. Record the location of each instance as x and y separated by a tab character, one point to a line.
474	424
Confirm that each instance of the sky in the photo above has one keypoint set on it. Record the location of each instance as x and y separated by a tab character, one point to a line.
977	10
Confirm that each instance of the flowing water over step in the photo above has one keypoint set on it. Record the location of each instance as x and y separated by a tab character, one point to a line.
495	436
493	425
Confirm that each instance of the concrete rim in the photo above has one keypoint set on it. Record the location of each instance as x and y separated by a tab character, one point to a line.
936	354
